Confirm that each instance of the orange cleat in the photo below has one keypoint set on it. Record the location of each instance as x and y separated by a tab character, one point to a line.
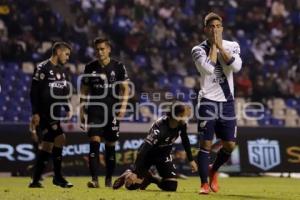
213	180
204	189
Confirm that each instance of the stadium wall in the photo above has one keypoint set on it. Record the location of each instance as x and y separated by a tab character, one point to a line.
259	150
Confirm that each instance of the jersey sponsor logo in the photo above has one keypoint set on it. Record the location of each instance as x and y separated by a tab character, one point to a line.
59	85
219	80
264	153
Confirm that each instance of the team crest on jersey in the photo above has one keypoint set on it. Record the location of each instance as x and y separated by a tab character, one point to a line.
42	76
58	76
112	76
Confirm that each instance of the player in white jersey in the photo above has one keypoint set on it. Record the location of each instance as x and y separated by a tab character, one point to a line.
216	60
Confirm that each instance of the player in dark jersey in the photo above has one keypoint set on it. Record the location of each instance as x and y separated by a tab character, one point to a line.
49	88
156	150
105	82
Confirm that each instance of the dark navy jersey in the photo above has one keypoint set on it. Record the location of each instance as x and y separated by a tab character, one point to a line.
160	140
47	77
104	83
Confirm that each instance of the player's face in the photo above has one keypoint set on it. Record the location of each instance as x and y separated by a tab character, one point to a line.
213	26
102	51
63	55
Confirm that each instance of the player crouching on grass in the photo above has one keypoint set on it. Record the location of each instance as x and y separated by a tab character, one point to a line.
156	150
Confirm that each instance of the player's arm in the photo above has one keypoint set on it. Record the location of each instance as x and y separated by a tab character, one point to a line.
232	59
124	90
37	78
150	141
124	93
205	64
187	147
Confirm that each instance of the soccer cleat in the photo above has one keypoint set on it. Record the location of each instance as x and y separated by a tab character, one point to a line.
120	181
108	182
35	185
93	184
204	189
60	181
213	180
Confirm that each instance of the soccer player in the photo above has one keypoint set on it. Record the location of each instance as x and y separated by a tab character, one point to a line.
216	60
156	150
105	80
49	81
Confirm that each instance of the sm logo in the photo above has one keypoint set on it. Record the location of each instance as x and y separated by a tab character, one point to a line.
264	153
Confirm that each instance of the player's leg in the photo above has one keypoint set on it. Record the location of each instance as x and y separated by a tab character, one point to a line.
111	135
206	134
206	130
59	142
95	140
110	162
226	131
167	171
43	155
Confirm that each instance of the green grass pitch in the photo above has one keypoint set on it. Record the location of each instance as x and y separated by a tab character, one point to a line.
231	188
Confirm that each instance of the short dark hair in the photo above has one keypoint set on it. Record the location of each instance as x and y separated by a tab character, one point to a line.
176	108
60	45
210	17
101	40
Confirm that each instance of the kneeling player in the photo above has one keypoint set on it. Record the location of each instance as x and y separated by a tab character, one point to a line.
156	150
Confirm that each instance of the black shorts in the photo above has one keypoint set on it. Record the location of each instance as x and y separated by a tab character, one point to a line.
108	131
163	163
50	129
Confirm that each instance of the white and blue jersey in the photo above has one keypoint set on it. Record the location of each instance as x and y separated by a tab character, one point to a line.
217	78
216	97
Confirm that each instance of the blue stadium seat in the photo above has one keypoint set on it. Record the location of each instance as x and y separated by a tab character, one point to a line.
277	122
291	102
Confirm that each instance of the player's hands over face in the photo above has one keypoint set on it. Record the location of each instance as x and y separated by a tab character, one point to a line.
194	166
218	38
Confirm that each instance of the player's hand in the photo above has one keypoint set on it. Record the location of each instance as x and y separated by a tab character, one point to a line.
121	115
194	166
82	119
218	38
34	135
35	121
